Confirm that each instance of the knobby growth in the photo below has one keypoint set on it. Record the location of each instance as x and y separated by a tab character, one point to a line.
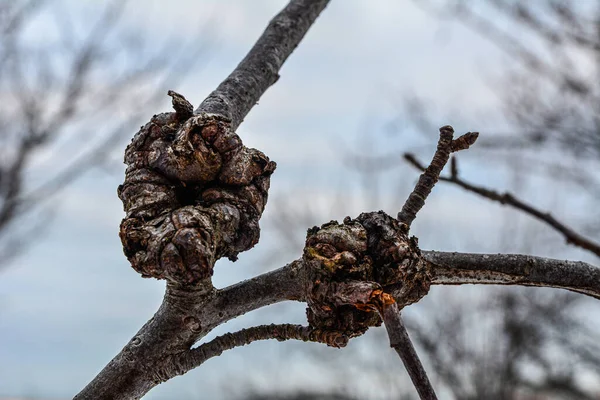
193	193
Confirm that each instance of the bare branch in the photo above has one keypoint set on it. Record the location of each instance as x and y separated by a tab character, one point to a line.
272	287
242	89
509	199
513	269
400	341
430	176
199	355
165	331
428	179
192	307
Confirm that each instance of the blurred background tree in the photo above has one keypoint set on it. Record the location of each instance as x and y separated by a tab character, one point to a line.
72	92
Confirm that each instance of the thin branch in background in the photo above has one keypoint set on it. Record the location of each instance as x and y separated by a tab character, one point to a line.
509	199
522	325
400	341
15	243
552	97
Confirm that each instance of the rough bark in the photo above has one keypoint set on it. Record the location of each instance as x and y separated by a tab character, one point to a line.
193	193
185	317
167	329
431	174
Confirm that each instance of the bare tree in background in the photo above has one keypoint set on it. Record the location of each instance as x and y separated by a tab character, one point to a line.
551	93
70	90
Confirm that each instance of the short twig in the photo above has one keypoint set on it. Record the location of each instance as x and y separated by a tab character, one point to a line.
506	198
430	176
400	341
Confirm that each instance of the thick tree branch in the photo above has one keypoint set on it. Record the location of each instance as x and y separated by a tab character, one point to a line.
400	341
185	317
513	269
506	198
242	89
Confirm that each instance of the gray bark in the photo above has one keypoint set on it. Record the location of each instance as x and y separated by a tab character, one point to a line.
513	269
242	89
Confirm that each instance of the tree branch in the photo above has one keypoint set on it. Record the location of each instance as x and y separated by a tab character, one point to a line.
507	198
185	317
430	176
242	89
202	201
513	269
400	341
199	355
272	287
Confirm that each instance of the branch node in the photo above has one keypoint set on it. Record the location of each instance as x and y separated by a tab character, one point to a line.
465	141
183	108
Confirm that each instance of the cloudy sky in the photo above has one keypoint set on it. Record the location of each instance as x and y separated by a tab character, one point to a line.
71	302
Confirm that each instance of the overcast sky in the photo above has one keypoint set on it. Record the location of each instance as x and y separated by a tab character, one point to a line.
71	302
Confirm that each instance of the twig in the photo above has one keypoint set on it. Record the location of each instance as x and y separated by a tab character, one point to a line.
281	332
430	176
400	341
242	89
506	198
